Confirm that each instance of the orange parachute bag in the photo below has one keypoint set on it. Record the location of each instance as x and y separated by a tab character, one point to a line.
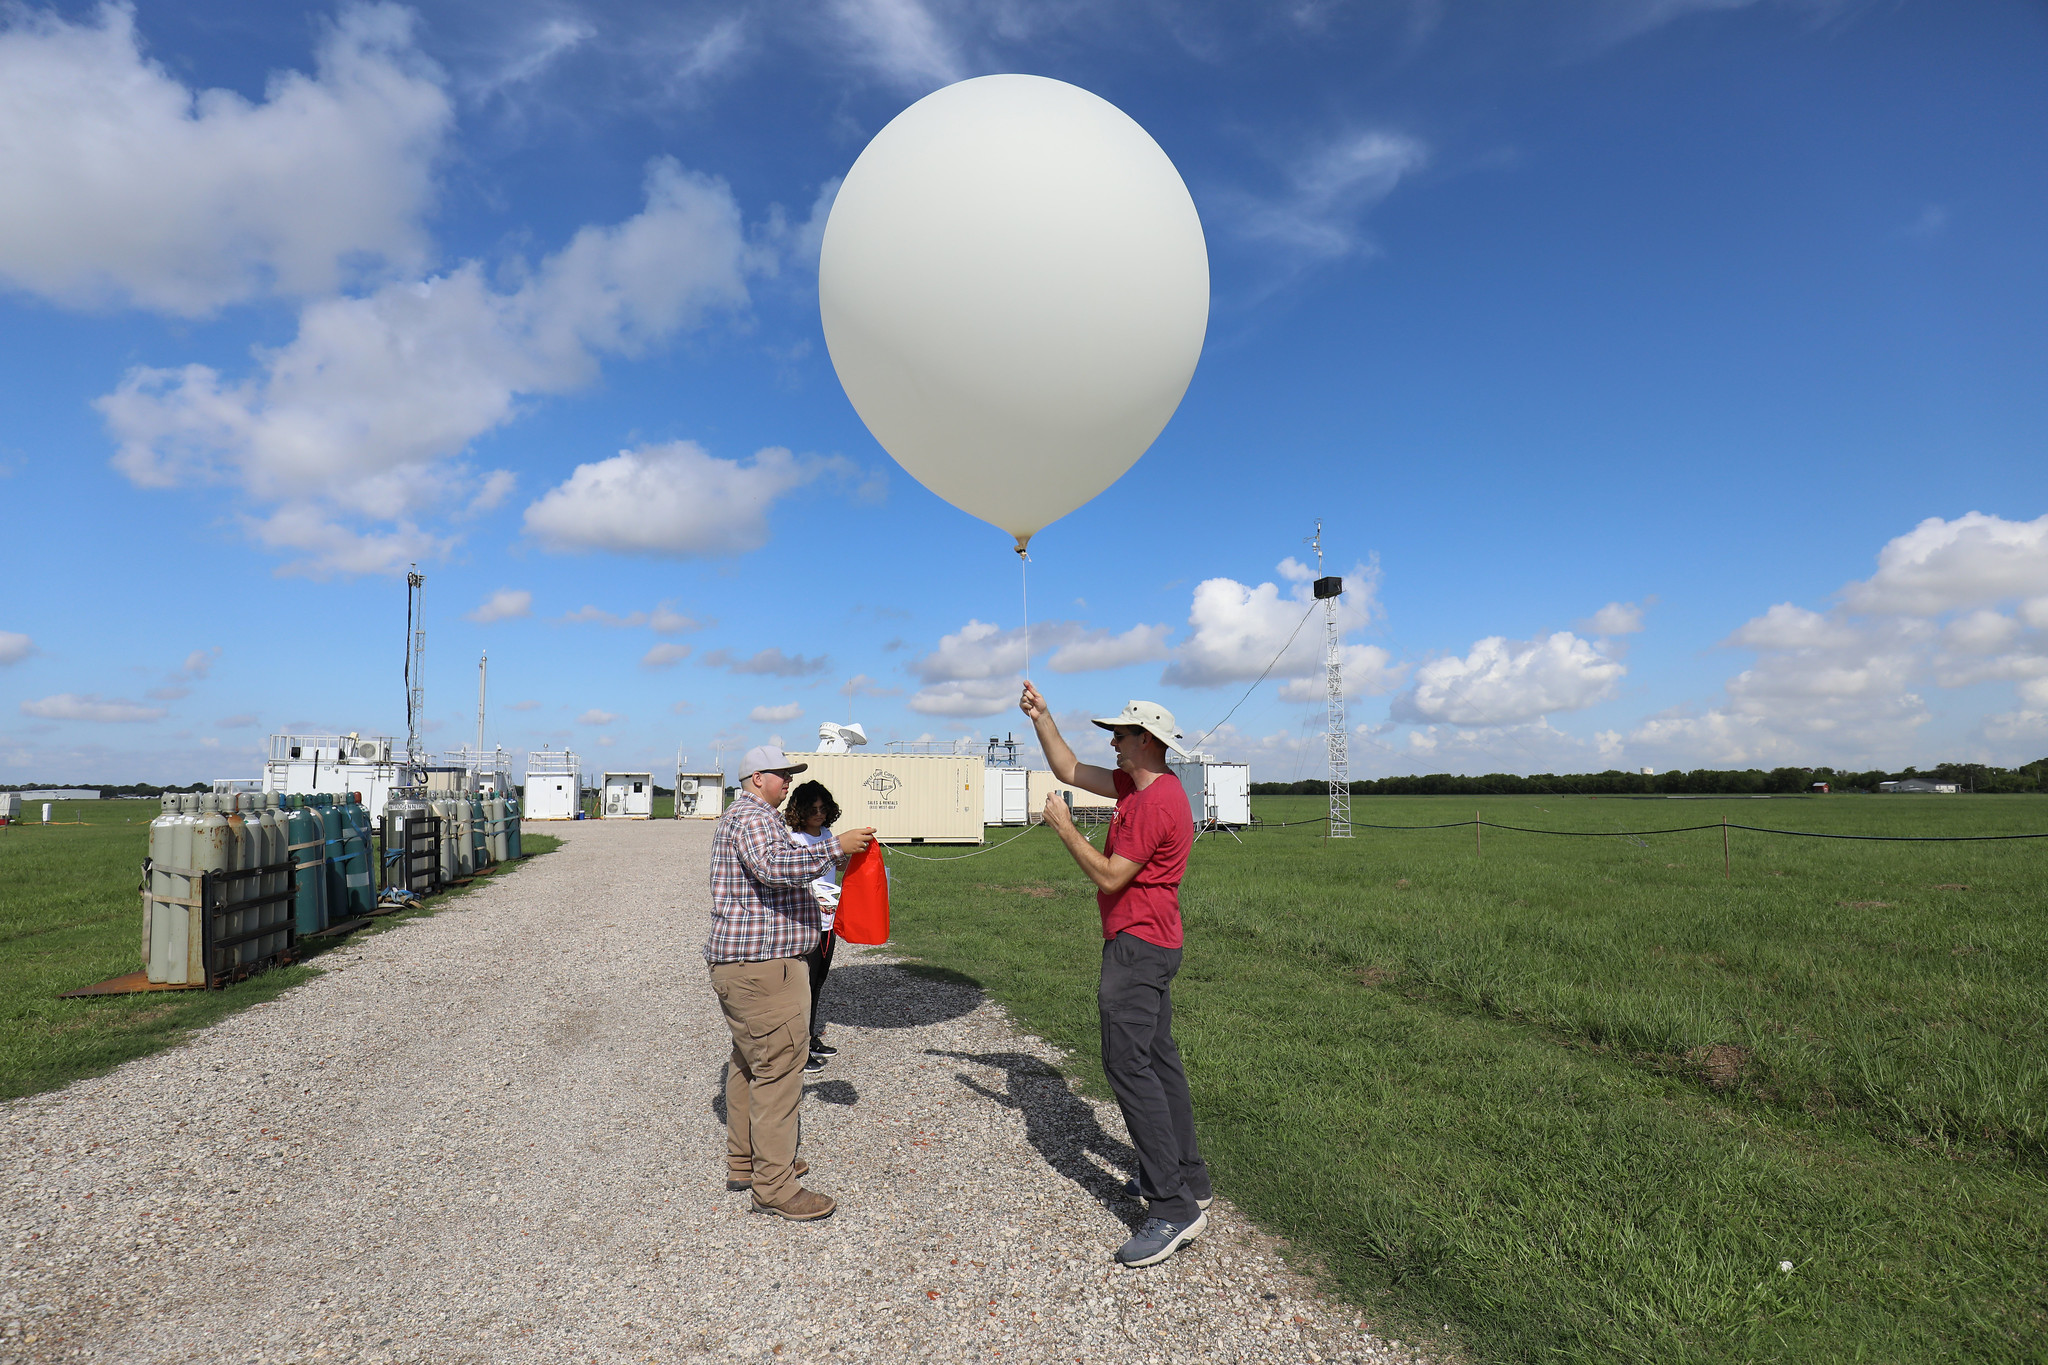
863	915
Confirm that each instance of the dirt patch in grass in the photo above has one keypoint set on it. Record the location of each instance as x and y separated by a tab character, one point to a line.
1948	886
1720	1065
1374	976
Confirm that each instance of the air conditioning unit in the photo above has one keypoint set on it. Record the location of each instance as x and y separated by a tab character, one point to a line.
689	786
372	750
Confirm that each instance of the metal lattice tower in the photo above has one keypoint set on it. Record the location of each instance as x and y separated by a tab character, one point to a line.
415	675
1329	589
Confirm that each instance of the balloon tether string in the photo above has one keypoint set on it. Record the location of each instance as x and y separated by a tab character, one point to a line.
1024	575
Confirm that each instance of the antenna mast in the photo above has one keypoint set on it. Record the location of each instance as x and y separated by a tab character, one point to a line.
483	673
415	675
1328	590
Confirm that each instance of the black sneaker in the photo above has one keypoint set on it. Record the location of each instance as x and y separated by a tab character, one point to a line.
1159	1239
821	1048
814	1063
1131	1191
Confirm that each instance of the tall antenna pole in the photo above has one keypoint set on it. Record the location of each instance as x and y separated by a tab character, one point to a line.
483	673
1329	589
415	674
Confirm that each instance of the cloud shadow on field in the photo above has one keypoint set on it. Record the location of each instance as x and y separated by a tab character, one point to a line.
1060	1125
879	995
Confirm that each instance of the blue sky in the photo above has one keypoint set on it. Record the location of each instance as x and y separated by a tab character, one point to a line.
1667	376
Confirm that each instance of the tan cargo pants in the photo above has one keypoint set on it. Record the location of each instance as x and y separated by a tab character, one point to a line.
768	1007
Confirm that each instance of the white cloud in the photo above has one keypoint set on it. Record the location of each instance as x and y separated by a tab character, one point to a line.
503	605
664	656
776	715
671	500
966	697
1510	682
363	416
1329	191
124	185
1366	670
1100	649
606	741
977	650
663	620
902	41
1238	630
596	717
14	647
1616	618
523	706
199	662
1974	561
771	663
69	706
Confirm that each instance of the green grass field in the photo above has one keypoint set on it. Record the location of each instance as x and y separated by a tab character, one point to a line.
71	916
1578	1099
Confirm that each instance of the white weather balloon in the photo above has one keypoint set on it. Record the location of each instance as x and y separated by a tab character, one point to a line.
1014	288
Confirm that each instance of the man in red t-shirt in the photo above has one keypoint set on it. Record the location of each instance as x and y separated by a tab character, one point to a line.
1137	876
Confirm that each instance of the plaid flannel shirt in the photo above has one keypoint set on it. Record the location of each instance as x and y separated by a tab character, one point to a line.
761	901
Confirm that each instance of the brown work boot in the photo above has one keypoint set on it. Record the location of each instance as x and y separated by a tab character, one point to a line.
735	1181
801	1207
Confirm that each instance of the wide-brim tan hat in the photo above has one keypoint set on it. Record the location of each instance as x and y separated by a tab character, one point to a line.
1149	716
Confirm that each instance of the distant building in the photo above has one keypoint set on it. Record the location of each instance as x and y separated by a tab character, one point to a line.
1908	785
1819	789
62	794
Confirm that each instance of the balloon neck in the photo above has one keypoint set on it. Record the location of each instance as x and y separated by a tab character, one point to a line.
1023	543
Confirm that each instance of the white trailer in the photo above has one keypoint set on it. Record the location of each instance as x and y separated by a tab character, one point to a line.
699	796
1219	794
626	796
1006	796
554	786
307	765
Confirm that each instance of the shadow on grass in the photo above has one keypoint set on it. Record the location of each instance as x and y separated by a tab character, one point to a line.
1059	1124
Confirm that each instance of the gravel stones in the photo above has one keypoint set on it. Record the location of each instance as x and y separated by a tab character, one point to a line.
493	1134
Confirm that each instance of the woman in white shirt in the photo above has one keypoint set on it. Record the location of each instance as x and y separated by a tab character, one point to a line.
811	811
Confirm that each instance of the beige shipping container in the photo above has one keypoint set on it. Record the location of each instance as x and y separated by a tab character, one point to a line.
1043	784
908	798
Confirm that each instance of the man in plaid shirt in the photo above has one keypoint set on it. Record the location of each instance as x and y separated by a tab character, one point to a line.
763	920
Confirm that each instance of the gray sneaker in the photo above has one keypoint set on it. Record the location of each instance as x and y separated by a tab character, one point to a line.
1131	1191
1159	1239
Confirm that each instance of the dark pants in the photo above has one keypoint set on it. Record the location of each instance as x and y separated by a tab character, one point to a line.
1143	1065
820	960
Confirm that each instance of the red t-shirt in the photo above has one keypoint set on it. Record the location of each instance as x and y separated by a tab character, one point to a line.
1155	829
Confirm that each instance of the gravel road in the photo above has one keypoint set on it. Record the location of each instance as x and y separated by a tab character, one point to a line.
492	1135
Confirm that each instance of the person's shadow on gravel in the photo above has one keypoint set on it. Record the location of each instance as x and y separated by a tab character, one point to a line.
828	1092
883	995
1060	1124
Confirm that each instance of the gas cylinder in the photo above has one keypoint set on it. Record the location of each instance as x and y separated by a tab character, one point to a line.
465	850
329	817
494	823
480	832
306	846
512	814
362	883
160	840
213	844
445	811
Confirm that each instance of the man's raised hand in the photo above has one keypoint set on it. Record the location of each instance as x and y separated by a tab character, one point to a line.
854	840
1032	703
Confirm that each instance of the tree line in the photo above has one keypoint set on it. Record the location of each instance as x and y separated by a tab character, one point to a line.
1972	777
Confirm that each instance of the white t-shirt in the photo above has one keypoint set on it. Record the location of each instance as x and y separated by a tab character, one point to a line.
825	888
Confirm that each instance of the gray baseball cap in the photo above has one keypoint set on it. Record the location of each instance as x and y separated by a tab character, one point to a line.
768	758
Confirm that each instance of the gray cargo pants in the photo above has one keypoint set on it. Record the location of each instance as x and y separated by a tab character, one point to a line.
1144	1069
